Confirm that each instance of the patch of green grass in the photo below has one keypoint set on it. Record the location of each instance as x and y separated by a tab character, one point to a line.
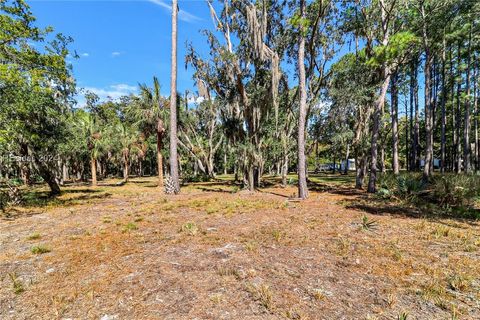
129	227
16	283
278	235
40	249
34	236
189	228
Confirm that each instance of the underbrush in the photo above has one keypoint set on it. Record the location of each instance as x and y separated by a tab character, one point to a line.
451	194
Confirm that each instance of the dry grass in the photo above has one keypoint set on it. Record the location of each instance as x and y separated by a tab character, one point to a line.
215	253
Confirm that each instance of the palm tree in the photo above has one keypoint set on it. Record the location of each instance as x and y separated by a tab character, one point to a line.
149	112
93	135
127	139
173	102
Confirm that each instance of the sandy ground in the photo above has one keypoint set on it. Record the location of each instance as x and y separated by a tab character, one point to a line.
130	252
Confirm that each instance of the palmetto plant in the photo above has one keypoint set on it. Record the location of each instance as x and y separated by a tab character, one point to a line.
148	110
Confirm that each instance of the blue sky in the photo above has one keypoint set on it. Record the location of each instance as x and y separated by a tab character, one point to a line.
123	43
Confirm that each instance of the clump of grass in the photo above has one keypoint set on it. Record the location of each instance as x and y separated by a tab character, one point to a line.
441	231
228	271
278	235
458	282
368	225
189	228
17	283
129	227
251	246
107	219
40	249
318	294
342	246
34	236
216	298
263	294
402	316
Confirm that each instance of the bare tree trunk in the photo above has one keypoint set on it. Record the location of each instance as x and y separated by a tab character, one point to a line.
475	110
458	123
347	155
444	112
394	115
466	127
427	170
160	132
302	179
284	170
93	167
126	165
379	103
416	134
173	103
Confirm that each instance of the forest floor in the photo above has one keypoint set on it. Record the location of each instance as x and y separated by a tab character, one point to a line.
215	252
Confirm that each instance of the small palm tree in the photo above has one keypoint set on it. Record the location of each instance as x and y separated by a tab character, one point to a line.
127	140
91	131
149	111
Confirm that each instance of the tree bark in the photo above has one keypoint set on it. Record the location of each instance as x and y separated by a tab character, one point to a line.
160	133
302	179
173	103
444	112
466	126
93	168
394	116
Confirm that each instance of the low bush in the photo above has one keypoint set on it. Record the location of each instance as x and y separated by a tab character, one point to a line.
456	190
450	192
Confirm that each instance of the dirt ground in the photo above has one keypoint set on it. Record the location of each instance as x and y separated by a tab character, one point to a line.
215	252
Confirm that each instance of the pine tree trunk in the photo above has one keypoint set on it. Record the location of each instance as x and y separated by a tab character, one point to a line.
379	103
475	110
427	170
444	112
302	180
394	116
466	126
458	115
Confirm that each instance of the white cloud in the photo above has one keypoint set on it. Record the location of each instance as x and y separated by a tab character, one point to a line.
116	53
85	54
122	87
182	14
112	92
196	100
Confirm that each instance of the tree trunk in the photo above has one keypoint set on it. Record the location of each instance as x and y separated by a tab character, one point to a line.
475	110
93	168
379	103
394	115
466	126
347	155
302	179
284	170
458	122
173	103
160	131
444	111
48	176
427	170
125	167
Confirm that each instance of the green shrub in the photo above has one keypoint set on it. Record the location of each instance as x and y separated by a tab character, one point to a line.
407	186
456	190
